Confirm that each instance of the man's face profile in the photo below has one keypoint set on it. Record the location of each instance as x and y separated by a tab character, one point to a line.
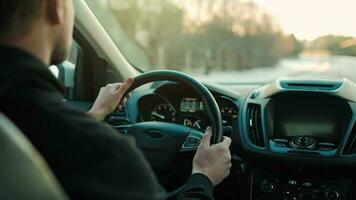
63	40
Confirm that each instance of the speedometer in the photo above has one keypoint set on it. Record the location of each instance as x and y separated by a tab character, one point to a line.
228	115
228	111
164	113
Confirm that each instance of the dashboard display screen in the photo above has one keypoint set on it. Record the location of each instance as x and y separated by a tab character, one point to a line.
323	118
191	105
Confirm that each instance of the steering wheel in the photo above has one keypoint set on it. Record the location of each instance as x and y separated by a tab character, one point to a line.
161	141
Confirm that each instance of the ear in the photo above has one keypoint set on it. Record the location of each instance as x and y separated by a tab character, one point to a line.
55	11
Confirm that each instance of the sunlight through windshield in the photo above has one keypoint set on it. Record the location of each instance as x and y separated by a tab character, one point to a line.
235	41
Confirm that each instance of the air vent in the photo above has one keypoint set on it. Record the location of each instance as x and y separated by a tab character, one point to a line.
254	124
350	147
311	85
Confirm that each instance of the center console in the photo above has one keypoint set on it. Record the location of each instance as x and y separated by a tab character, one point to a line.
305	126
299	125
308	123
272	186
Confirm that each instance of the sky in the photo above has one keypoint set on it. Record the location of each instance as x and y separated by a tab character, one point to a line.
308	19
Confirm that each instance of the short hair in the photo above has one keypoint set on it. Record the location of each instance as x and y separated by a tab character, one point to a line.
18	16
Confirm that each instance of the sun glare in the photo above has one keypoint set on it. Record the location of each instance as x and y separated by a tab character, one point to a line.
308	19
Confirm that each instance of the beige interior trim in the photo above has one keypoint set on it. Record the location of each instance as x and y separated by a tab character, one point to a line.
87	23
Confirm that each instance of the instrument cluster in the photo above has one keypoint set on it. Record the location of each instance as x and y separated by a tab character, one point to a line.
185	110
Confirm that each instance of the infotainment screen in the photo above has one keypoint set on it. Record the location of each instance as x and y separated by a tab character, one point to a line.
312	115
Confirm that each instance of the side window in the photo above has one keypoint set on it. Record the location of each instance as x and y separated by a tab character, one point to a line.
65	72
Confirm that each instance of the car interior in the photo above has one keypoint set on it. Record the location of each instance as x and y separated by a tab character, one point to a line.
292	138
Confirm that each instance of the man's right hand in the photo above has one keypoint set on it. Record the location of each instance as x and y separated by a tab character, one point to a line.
214	161
110	98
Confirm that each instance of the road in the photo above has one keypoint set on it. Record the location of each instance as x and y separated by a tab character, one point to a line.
325	66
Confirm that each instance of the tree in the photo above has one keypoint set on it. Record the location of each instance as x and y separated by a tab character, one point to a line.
334	44
204	34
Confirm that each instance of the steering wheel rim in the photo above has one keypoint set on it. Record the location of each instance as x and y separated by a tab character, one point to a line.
210	104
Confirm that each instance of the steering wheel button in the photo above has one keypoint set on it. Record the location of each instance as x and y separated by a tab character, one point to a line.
193	140
189	140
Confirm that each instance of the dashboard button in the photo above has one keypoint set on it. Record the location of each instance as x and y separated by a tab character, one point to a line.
266	186
309	195
303	142
194	141
280	145
332	195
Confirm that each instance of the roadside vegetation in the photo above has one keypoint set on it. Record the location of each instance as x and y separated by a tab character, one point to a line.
205	35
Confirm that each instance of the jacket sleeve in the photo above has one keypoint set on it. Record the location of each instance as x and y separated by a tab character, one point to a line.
90	160
198	187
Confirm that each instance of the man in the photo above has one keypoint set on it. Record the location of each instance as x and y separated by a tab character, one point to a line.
90	160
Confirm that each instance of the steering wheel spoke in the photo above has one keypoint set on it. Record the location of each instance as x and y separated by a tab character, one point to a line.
122	128
192	141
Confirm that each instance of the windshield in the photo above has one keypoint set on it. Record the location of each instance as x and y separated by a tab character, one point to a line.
235	41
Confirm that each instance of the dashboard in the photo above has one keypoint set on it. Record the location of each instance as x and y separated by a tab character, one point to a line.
294	134
303	131
176	104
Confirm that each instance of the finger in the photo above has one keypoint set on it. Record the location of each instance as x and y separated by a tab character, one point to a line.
123	101
226	141
128	95
125	85
117	85
114	85
119	107
207	136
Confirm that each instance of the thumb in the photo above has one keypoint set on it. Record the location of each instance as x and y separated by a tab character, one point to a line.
125	86
226	141
207	136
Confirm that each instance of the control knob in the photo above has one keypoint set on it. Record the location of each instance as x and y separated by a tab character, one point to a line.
332	195
266	186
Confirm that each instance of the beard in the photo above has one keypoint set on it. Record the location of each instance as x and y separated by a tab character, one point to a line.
60	53
63	44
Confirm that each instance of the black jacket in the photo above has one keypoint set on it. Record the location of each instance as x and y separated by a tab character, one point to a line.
90	160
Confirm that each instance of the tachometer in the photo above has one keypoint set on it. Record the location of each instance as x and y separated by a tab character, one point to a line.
228	115
164	113
228	111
